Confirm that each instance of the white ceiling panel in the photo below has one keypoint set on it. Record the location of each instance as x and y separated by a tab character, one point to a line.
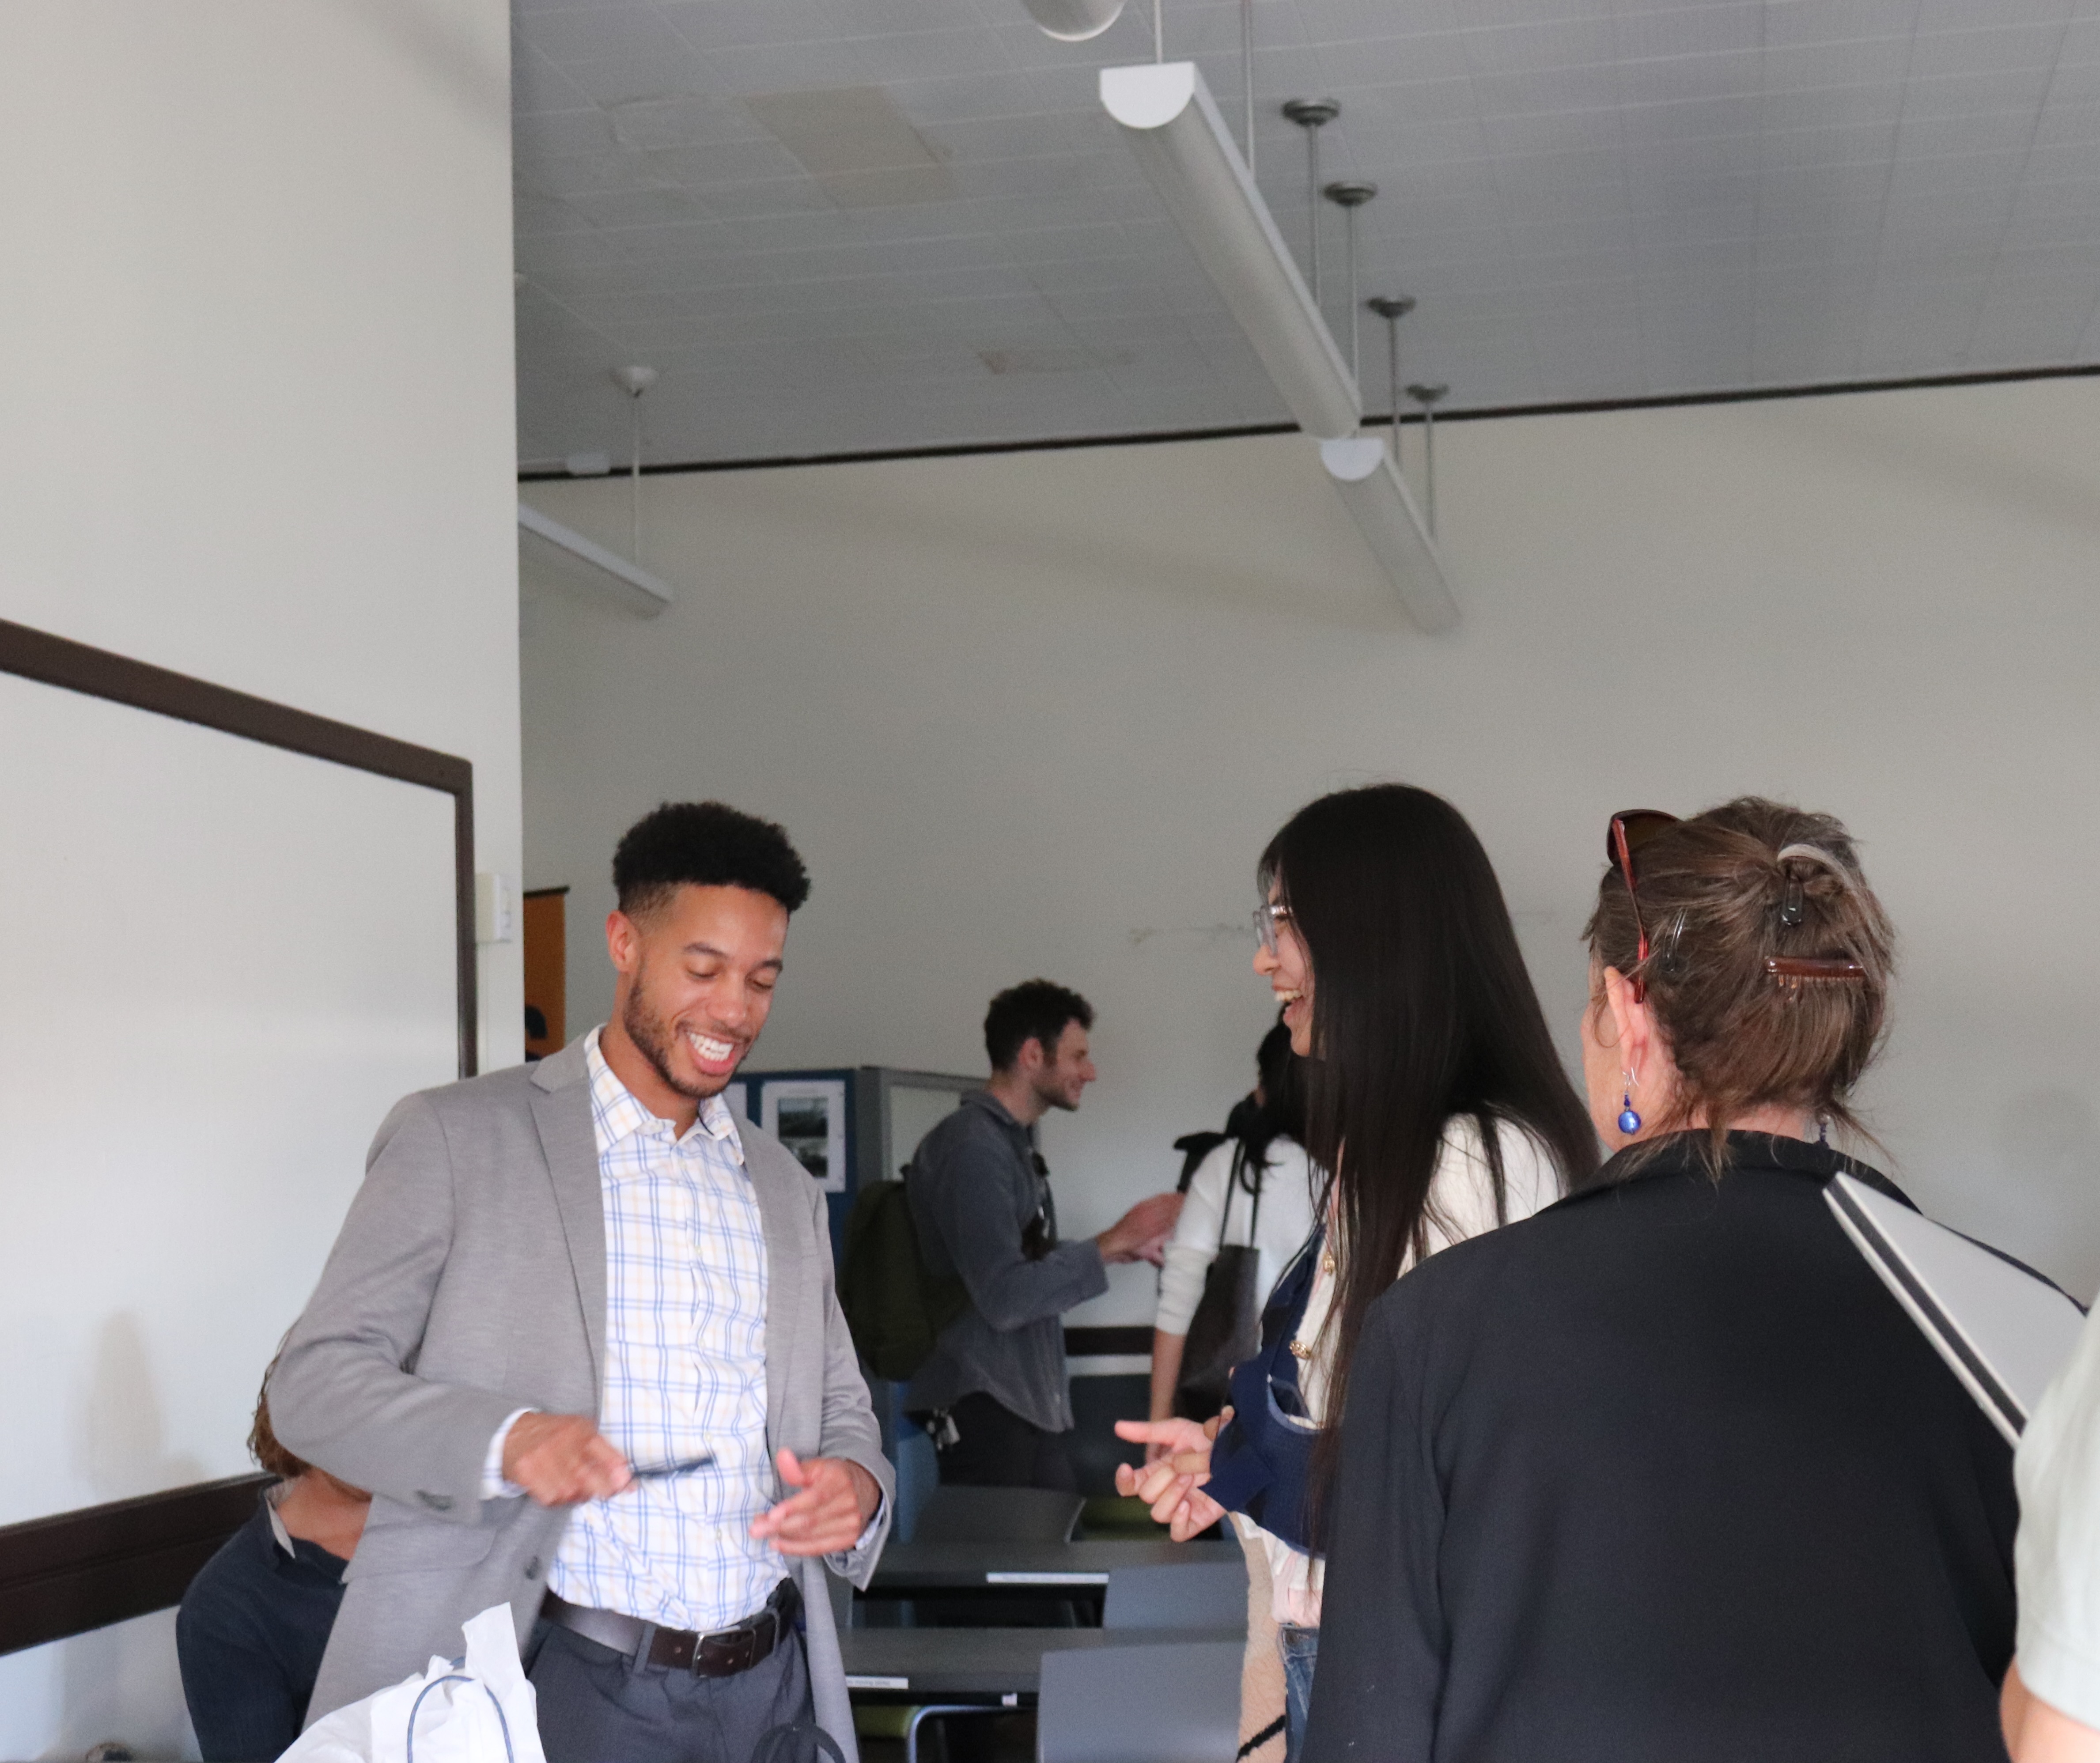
1590	199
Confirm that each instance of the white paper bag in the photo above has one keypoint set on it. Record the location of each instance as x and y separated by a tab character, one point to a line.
479	1709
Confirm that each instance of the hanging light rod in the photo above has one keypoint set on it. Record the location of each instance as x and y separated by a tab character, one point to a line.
1313	115
1181	140
1368	478
583	563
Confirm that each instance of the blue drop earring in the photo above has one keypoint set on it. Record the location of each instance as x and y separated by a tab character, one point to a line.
1630	1122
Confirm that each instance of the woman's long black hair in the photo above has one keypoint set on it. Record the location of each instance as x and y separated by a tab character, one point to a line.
1421	1010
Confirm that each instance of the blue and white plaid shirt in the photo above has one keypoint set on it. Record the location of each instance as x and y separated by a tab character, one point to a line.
685	1373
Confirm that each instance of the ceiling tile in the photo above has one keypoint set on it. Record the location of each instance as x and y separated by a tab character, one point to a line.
1590	199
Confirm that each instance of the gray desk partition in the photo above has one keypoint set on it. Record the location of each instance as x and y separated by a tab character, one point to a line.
913	1568
1129	1703
1193	1594
983	1665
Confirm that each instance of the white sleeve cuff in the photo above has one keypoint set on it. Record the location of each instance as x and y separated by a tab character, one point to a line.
838	1563
493	1485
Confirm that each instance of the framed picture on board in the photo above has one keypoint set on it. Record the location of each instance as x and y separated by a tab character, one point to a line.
808	1115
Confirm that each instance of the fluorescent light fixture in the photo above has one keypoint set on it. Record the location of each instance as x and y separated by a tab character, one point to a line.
1181	140
1073	21
582	562
1377	498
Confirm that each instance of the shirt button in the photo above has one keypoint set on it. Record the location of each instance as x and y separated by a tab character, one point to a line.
1300	1350
532	1568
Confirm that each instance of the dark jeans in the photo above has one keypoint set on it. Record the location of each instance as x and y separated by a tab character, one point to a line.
597	1707
1300	1648
997	1448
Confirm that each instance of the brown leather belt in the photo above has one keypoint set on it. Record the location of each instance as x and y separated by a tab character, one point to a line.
722	1654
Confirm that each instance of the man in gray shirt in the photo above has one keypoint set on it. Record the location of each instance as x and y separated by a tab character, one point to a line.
994	1392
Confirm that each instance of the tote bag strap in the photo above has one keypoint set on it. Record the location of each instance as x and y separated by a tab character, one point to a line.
1237	1181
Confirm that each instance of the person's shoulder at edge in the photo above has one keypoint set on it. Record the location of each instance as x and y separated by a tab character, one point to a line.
1530	1182
510	1085
1217	1165
221	1604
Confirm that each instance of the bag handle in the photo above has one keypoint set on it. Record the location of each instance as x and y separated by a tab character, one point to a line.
780	1745
1237	1182
459	1676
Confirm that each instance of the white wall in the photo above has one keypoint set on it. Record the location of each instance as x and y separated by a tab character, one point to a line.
256	335
1040	712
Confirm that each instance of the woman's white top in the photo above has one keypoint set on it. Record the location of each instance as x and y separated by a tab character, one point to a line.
1462	1204
1276	1230
2056	1558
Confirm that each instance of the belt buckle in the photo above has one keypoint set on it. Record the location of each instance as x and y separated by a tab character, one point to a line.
729	1652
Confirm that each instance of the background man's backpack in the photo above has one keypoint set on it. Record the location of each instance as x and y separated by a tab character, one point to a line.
894	1304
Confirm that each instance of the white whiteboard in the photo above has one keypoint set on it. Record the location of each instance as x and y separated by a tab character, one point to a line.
220	963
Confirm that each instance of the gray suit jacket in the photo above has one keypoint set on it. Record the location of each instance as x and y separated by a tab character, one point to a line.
469	1282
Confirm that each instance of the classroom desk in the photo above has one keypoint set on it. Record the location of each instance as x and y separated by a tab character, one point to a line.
997	1667
909	1570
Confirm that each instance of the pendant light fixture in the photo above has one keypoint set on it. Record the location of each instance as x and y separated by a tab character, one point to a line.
1181	140
584	563
1073	21
1174	127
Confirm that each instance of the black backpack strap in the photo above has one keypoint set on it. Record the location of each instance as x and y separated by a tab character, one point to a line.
1194	1147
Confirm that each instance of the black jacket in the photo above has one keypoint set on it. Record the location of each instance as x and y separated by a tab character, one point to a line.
1663	1474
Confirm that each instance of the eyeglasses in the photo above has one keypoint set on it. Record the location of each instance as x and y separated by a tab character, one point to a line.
1267	917
1630	829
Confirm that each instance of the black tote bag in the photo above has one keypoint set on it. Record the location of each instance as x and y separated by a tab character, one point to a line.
1226	1326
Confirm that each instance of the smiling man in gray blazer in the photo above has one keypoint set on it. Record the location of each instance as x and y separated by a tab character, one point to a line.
579	1337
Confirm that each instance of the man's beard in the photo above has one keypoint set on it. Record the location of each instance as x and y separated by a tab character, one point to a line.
653	1040
1055	1097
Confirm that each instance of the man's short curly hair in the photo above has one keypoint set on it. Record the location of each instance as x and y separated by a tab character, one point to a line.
705	844
1036	1010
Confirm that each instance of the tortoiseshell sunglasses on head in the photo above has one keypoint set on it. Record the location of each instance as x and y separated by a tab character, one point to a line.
1630	829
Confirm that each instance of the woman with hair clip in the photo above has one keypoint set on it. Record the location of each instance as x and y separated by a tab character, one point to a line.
1434	1094
1665	1472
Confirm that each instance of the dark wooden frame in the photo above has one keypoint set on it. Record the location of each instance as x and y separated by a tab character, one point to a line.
82	1570
76	1570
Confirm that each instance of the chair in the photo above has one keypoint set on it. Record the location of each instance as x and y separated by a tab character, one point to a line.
997	1515
1178	1702
905	1722
1194	1594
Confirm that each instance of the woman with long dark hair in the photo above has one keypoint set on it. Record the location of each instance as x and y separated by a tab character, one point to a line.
1667	1473
1435	1096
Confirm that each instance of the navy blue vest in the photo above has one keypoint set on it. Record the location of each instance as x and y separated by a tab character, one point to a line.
1262	1463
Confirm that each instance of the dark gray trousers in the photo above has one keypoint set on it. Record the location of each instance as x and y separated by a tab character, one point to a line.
597	1707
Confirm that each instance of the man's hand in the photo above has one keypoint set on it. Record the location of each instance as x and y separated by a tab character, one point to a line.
561	1460
1141	1234
1172	1483
827	1517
